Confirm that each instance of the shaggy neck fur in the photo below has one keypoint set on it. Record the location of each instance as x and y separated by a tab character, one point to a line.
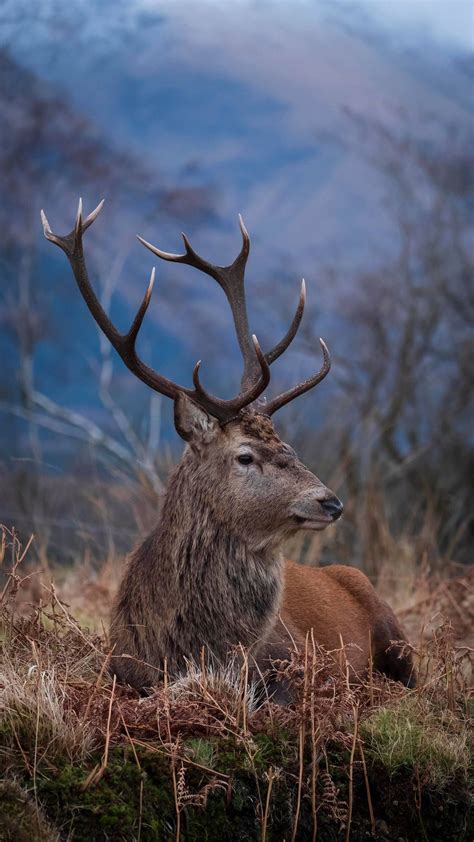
194	582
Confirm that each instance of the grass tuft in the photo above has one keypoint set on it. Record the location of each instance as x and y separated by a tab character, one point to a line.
415	735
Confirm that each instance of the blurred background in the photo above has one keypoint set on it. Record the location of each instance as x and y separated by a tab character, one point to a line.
342	130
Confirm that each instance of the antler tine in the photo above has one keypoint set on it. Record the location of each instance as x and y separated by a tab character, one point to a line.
190	257
67	242
308	384
278	350
47	230
256	389
231	280
137	322
245	250
78	225
233	407
87	222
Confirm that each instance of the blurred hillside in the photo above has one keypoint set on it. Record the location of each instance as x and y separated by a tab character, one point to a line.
346	145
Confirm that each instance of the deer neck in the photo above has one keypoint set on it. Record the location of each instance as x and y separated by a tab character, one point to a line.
221	592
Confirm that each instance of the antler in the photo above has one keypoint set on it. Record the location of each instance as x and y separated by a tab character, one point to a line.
281	346
257	367
232	280
272	406
256	375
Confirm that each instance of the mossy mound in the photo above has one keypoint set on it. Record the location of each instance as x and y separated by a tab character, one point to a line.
206	758
136	796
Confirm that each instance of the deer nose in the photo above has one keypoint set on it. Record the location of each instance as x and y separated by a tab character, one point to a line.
332	507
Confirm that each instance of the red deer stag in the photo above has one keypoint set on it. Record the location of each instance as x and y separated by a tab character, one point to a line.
211	574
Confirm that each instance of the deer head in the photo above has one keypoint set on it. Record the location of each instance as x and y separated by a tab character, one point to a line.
251	480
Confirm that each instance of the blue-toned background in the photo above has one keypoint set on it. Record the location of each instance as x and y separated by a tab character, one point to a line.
342	131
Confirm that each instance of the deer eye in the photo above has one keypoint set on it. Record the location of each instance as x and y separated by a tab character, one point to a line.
245	458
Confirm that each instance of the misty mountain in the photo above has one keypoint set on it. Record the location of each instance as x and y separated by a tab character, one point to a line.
183	124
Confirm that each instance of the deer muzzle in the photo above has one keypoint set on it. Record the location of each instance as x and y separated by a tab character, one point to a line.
317	510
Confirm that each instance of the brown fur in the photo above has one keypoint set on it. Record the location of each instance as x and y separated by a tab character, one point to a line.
212	575
341	607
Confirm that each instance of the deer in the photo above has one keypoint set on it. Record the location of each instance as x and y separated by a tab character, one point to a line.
211	575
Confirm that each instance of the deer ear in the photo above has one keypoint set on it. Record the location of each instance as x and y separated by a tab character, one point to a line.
193	424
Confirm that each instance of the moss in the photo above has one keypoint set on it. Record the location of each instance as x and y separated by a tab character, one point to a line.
128	797
113	807
277	751
20	818
234	818
256	756
403	808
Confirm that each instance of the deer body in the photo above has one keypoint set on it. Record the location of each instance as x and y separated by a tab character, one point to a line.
211	575
338	605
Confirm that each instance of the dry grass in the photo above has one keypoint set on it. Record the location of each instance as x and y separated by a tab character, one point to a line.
58	705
